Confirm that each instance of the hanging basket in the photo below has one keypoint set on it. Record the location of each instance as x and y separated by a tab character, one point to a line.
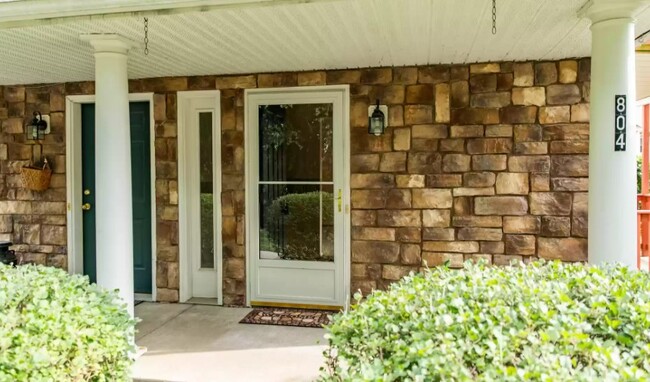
36	178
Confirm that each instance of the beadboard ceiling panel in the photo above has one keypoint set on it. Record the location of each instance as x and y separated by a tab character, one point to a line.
294	36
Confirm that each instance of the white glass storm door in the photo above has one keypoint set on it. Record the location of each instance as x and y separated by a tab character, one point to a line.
296	196
203	196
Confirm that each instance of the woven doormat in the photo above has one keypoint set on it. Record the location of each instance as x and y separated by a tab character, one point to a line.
288	317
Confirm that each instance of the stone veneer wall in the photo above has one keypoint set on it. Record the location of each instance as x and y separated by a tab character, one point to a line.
480	161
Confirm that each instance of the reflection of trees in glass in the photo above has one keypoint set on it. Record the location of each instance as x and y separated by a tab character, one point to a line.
279	131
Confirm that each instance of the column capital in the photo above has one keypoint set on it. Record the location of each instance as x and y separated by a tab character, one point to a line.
108	43
601	10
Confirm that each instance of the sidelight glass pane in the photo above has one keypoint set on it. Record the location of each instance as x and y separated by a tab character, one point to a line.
296	142
206	184
297	222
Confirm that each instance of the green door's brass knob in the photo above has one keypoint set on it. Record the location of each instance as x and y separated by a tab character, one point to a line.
85	206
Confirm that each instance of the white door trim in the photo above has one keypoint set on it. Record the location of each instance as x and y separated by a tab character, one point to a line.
251	169
185	271
73	181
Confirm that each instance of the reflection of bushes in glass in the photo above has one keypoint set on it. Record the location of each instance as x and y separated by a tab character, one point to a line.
293	225
207	231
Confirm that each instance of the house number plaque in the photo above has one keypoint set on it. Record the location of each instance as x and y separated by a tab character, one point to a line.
620	122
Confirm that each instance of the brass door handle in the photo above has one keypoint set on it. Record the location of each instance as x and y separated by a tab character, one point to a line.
85	206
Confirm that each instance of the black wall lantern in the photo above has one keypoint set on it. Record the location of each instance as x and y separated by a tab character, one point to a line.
37	128
376	121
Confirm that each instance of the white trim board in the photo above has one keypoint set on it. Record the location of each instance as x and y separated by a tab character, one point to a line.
73	181
184	202
251	171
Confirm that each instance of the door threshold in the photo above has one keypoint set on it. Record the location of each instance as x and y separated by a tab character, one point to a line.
203	301
143	297
262	304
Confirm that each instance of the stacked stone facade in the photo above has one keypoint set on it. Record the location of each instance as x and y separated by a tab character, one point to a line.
483	161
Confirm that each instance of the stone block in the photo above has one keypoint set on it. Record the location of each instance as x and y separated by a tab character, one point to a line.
436	218
579	226
506	260
451	246
393	94
479	179
433	74
336	77
489	146
532	96
236	82
396	272
524	74
444	180
580	112
521	224
373	233
563	94
570	184
409	234
526	163
372	181
364	163
442	114
312	78
459	94
505	81
399	218
452	145
483	83
489	162
363	218
424	162
398	199
369	199
471	116
520	244
410	181
419	94
410	254
566	132
570	147
459	73
550	203
528	133
477	221
498	131
500	205
569	165
568	71
393	162
512	183
531	148
545	73
12	126
466	131
434	259
405	75
271	80
395	115
431	198
565	249
54	235
490	100
418	114
463	206
518	114
375	252
556	226
473	191
485	234
456	163
430	131
435	234
554	114
484	68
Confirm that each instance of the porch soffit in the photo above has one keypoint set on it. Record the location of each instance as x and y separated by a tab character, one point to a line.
296	36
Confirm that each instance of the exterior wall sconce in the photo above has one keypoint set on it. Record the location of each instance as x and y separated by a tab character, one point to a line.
37	127
377	116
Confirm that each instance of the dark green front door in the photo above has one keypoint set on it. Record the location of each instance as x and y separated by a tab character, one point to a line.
141	188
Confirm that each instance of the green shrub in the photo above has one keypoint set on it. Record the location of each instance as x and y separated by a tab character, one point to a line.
540	322
296	218
57	327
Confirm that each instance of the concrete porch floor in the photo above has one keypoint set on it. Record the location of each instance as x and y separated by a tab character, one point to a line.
206	343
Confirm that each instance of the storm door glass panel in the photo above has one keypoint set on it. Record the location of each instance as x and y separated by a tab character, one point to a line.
206	186
296	189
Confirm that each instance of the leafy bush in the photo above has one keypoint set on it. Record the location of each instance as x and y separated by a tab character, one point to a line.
540	322
296	218
57	327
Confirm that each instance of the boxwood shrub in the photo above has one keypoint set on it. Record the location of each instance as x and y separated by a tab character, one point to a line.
537	322
57	327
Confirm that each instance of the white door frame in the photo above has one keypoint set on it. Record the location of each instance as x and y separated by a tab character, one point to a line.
184	218
73	182
251	170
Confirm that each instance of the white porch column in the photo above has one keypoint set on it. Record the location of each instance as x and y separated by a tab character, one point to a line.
612	174
113	209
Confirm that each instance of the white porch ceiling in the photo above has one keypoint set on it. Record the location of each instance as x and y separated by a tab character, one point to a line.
294	36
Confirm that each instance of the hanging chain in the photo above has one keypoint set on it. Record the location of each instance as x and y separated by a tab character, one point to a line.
494	16
146	36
